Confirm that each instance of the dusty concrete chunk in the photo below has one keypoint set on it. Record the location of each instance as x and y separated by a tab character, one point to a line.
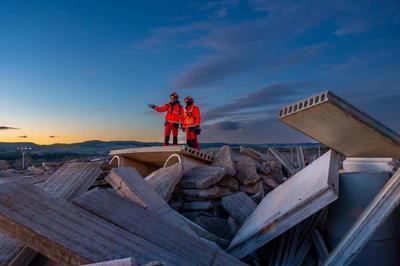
239	206
246	170
215	225
208	193
269	181
164	180
224	159
198	205
229	182
202	177
252	189
257	198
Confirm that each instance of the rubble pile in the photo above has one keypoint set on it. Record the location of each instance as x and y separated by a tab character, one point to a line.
175	205
202	189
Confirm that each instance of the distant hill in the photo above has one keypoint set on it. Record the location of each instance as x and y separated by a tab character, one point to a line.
103	147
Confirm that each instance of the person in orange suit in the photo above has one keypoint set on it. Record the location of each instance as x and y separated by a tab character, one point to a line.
191	123
173	117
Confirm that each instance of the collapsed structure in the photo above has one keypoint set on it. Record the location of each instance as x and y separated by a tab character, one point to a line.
178	206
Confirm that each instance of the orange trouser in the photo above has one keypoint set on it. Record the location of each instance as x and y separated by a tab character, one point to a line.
168	128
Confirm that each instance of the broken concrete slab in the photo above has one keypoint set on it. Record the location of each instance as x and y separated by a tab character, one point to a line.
269	181
369	221
246	170
164	180
142	168
71	180
67	182
341	126
121	262
202	177
29	179
258	196
239	206
299	197
285	163
136	220
252	153
215	225
186	162
128	183
207	193
204	234
224	159
300	158
263	169
319	245
67	234
252	189
197	205
156	156
369	165
125	262
229	182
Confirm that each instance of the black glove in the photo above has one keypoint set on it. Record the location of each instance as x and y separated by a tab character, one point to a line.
198	130
152	106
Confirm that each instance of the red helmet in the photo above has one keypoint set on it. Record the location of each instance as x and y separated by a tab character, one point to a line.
174	96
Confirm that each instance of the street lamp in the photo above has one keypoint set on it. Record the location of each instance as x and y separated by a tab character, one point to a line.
23	150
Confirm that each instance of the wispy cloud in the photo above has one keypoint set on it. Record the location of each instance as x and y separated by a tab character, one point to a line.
236	47
23	137
225	126
53	136
7	128
272	95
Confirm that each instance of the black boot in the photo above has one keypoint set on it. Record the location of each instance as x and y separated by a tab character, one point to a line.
190	143
175	140
166	140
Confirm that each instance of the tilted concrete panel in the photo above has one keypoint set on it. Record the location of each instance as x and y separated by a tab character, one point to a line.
302	195
339	125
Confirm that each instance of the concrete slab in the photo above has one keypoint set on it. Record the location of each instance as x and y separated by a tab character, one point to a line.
304	194
156	156
339	125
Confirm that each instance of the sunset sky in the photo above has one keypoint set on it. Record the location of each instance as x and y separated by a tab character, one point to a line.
83	70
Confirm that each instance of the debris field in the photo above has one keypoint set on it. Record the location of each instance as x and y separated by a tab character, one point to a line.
175	205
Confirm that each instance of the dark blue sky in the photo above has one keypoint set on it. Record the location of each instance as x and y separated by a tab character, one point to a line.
79	70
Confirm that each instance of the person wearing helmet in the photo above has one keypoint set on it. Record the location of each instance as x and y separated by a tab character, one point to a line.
173	117
191	123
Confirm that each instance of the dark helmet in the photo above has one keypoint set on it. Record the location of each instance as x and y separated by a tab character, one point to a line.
174	96
189	100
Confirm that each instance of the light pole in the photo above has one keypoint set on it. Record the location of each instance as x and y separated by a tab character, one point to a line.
23	150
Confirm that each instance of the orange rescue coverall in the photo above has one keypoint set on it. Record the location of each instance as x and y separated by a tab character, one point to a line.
191	123
173	118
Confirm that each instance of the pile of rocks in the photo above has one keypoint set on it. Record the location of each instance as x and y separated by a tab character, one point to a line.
198	192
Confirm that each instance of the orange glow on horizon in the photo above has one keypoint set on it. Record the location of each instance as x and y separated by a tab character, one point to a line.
45	139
